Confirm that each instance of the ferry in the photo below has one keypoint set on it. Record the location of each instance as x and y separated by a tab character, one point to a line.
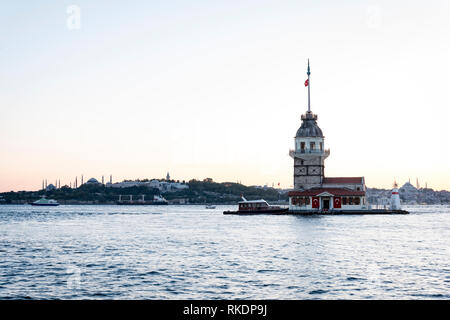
43	202
256	207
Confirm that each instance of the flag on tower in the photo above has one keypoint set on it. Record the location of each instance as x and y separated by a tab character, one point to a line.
306	83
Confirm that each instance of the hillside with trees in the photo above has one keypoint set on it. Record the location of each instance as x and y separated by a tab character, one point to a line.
199	192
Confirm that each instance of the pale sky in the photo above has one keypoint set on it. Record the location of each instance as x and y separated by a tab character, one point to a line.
215	89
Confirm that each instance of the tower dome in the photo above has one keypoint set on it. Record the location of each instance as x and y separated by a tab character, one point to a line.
309	127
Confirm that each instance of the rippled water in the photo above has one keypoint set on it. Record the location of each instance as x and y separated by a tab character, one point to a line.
183	252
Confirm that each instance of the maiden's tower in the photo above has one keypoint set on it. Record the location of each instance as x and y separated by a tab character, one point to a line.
314	192
312	189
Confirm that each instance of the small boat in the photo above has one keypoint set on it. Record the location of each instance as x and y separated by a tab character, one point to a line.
256	207
43	202
210	206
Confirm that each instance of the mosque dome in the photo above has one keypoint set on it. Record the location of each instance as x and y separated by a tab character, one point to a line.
309	127
93	181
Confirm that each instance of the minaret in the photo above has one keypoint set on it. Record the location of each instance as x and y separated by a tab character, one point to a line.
110	178
309	154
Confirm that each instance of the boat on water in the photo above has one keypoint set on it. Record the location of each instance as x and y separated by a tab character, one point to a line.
43	202
210	206
256	207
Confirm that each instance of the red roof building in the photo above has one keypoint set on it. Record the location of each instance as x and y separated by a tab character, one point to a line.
343	180
329	191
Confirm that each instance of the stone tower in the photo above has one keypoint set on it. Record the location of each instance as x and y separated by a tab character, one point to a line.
309	154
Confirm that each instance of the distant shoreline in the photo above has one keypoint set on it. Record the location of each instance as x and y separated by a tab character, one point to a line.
177	204
141	205
205	192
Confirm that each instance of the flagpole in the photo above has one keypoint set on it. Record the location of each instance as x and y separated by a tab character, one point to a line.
309	84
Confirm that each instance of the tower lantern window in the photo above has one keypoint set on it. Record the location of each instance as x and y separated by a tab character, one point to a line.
312	145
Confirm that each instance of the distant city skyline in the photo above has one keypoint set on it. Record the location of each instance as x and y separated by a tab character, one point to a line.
204	89
73	183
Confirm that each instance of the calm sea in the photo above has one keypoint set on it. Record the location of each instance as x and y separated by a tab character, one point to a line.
183	252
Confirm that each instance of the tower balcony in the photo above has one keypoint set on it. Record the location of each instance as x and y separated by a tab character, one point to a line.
307	152
309	116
